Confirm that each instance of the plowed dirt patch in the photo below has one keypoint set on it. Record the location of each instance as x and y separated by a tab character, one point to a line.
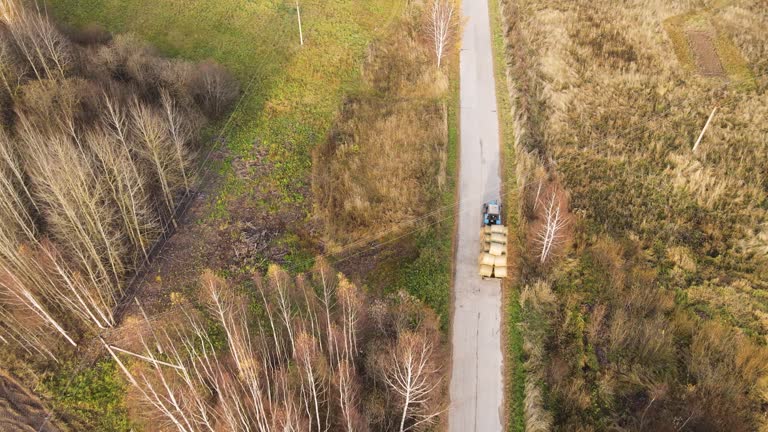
705	53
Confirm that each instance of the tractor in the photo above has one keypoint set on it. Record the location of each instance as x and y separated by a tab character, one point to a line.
492	213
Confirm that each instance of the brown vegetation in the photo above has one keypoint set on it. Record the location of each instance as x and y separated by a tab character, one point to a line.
20	411
315	354
385	160
654	318
97	149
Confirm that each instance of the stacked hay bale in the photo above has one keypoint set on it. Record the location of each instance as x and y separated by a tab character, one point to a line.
493	258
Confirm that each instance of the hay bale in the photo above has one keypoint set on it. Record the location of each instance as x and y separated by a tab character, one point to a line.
497	249
486	271
499	238
487	259
499	261
500	229
500	272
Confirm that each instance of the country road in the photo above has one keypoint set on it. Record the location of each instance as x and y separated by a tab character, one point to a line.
476	379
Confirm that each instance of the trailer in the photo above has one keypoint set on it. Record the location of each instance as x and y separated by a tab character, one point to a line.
493	238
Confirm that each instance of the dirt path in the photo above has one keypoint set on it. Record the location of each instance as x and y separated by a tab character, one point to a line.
476	378
705	52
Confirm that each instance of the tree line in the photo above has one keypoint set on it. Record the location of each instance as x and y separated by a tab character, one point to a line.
98	145
276	353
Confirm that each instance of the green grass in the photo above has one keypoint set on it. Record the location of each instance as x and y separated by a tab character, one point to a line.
428	277
94	396
295	90
299	259
515	372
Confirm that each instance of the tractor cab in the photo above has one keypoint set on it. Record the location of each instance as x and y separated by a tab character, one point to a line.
492	213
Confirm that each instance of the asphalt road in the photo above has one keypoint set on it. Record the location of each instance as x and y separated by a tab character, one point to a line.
476	378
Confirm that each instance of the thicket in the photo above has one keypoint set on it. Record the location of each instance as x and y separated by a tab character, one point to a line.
385	160
653	317
98	146
278	353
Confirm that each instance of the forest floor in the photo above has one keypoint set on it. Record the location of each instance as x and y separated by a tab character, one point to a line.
20	410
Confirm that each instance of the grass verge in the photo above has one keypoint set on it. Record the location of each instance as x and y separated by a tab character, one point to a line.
429	277
513	340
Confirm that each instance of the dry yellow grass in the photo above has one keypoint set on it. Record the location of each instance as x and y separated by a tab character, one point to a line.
744	306
621	111
386	158
608	99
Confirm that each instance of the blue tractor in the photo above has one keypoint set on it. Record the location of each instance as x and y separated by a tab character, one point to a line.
492	213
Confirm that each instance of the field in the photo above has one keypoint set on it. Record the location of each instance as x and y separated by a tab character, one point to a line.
651	313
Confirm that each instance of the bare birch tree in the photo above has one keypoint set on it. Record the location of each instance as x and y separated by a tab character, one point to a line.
308	357
11	73
348	394
442	27
118	171
34	274
351	305
44	48
75	206
281	285
157	148
180	132
9	9
551	233
17	292
413	377
15	196
24	330
218	89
